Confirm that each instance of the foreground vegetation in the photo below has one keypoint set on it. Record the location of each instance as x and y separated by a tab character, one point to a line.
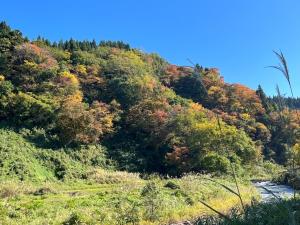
120	199
273	213
40	186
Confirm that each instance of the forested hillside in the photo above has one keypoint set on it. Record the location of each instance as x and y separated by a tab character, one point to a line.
104	133
150	115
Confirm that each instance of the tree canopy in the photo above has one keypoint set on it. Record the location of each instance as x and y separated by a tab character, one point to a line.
160	117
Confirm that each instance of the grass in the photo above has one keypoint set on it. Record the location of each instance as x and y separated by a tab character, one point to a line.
285	212
263	171
113	202
46	186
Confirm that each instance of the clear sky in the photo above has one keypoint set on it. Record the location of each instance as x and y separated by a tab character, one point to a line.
236	36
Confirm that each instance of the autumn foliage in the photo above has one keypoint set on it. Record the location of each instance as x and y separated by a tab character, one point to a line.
80	123
151	115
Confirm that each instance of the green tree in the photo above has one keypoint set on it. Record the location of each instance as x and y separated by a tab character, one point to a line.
6	93
193	136
191	87
31	67
264	100
31	110
129	79
8	40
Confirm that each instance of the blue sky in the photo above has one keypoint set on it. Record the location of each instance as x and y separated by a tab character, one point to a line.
236	36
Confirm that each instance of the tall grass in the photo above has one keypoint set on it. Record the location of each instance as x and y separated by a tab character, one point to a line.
258	214
284	69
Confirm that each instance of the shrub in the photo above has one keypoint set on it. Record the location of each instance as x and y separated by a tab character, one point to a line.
151	201
172	185
74	219
214	162
128	212
42	191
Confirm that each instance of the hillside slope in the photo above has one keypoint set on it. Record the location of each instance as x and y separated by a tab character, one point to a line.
23	160
152	116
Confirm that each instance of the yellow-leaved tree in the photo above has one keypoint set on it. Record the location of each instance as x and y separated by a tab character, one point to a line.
80	123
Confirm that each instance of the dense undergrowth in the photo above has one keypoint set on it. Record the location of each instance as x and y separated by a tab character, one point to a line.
24	161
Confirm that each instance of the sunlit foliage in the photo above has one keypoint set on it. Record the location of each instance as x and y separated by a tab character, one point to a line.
152	115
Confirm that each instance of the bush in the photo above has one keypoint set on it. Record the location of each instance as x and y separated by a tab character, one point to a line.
93	155
43	191
127	212
74	219
152	202
172	185
214	162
